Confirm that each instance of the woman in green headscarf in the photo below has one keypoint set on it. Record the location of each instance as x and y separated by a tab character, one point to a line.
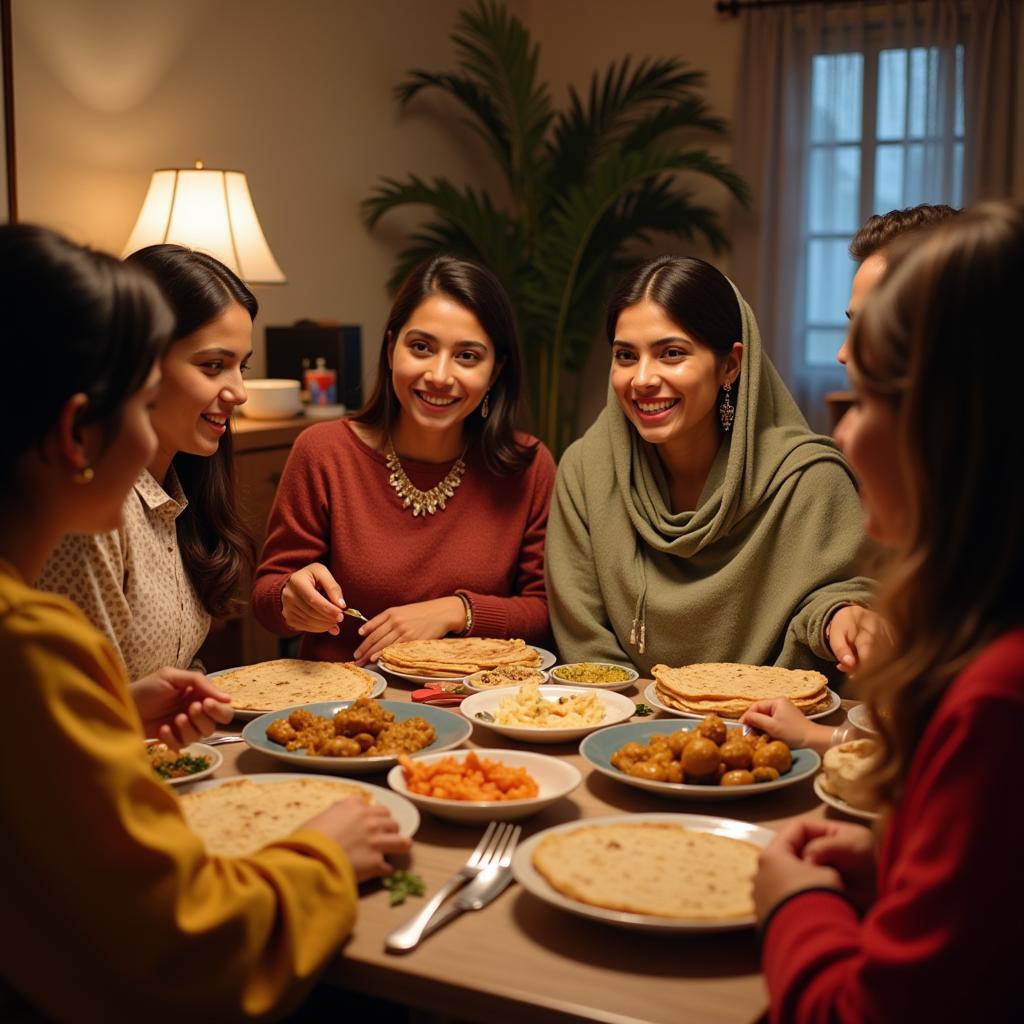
699	519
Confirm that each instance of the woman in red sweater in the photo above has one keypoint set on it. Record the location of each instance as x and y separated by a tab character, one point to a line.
913	929
425	510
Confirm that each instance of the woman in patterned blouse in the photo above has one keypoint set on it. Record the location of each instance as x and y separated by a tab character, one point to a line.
153	584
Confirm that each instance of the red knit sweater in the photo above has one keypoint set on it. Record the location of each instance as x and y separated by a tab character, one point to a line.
942	942
334	505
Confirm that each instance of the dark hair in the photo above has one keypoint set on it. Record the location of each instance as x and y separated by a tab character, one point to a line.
216	545
881	228
476	289
693	293
82	318
933	340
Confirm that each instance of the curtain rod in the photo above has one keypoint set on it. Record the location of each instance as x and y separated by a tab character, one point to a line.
733	7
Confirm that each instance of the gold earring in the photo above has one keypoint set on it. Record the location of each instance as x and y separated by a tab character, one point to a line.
726	410
85	475
485	409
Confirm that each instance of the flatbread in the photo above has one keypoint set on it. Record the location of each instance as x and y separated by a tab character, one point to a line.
273	685
242	816
457	656
651	868
846	767
728	681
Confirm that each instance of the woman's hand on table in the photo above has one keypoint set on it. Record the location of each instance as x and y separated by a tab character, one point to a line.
424	620
179	707
851	850
311	600
853	634
782	870
781	719
365	832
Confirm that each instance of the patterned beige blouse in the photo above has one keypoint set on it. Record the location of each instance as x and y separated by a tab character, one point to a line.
132	583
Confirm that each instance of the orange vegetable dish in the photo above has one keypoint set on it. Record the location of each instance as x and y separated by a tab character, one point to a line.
468	778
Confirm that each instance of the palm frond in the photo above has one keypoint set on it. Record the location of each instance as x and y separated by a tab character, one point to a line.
484	119
616	100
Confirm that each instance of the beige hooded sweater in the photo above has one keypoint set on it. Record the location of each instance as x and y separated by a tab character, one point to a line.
751	575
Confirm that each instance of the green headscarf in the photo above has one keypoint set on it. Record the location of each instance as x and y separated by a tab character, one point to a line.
750	575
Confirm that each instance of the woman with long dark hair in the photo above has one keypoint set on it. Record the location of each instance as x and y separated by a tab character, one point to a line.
426	510
177	559
856	929
112	897
699	519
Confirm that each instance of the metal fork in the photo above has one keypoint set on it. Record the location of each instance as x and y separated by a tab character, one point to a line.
484	889
487	851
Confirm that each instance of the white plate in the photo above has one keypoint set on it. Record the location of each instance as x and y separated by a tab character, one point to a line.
597	750
196	750
547	659
380	684
531	879
616	709
839	804
651	697
625	684
859	717
451	729
402	811
555	779
470	681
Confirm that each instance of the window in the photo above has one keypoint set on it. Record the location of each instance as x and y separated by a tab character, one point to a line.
886	131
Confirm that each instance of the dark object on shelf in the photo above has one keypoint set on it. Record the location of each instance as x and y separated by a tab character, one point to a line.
292	350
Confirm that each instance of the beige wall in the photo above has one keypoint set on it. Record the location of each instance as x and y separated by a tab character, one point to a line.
298	95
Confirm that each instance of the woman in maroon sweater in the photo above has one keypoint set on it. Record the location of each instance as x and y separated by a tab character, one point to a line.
425	510
915	930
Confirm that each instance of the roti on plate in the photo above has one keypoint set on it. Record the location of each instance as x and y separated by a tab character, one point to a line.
242	816
457	656
272	685
729	689
652	868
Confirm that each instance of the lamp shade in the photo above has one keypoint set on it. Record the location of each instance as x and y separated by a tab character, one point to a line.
209	210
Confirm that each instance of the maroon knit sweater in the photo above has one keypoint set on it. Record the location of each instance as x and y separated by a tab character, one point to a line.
932	948
334	505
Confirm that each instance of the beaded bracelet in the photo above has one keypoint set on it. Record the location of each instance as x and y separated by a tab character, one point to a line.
469	614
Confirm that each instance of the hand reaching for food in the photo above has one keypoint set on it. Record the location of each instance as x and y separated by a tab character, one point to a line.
424	620
311	600
365	832
782	720
179	707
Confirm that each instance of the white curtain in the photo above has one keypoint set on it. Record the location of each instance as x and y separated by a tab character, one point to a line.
848	109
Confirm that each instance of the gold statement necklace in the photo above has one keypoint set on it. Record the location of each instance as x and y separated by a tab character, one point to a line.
422	502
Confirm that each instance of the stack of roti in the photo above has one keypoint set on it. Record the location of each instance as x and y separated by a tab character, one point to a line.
650	868
728	689
455	657
242	816
272	685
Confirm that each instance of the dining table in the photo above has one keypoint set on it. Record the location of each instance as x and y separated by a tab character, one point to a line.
522	959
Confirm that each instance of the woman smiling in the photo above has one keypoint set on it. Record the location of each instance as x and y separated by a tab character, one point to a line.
152	585
426	510
699	519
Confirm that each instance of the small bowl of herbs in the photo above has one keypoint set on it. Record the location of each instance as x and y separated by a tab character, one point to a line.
178	767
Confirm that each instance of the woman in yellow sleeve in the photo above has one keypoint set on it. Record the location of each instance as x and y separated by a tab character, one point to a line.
117	909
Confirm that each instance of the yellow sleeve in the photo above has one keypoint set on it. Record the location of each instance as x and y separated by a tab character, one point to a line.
114	902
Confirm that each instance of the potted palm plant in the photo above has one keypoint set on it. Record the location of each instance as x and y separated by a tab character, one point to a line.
582	185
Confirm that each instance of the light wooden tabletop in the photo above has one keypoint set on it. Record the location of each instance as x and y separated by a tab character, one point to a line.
522	959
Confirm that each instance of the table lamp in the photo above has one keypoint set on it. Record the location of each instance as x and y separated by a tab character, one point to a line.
210	210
